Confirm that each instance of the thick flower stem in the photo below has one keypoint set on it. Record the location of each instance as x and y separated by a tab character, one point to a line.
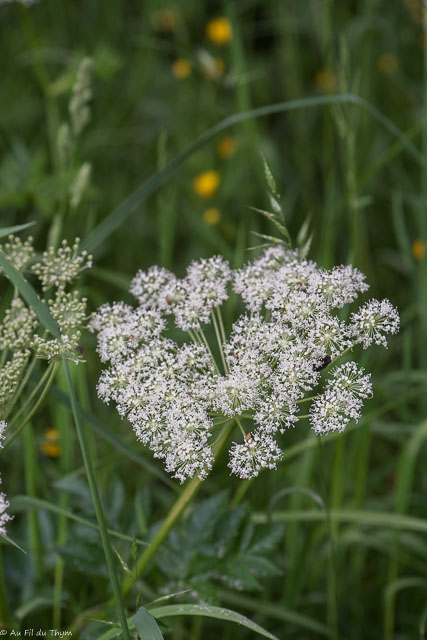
90	474
172	517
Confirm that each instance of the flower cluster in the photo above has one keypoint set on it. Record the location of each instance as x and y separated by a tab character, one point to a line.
177	393
19	329
4	504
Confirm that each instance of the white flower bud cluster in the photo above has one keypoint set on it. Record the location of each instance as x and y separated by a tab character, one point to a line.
60	266
174	392
19	327
19	253
10	375
4	504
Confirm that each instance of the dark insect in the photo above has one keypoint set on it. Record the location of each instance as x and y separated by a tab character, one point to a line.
323	363
79	348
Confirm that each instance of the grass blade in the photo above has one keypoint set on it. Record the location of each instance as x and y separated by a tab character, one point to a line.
26	503
126	208
146	625
6	231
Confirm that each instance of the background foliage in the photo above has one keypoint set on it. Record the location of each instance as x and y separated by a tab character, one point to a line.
332	544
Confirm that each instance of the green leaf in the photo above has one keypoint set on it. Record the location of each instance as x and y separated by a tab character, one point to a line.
28	503
6	231
362	518
10	541
210	612
147	627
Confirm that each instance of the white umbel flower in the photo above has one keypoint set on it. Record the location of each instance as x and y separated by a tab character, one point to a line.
372	321
177	393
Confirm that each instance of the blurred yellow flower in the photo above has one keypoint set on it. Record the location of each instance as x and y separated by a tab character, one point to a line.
226	147
211	216
388	64
51	446
419	249
326	80
181	68
219	31
165	20
206	183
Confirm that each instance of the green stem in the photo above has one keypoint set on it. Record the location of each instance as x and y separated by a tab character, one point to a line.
221	324
42	396
202	335
31	490
219	341
34	393
63	421
173	516
307	399
81	434
4	607
241	427
20	388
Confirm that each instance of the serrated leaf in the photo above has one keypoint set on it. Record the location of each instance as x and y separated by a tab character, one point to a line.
247	536
260	567
147	627
237	575
270	540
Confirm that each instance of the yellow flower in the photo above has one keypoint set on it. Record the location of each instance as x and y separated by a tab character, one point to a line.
226	147
211	216
326	80
165	20
419	249
219	31
51	446
388	64
181	68
206	183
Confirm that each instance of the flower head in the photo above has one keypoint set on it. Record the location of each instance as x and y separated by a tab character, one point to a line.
206	183
60	266
175	393
219	31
